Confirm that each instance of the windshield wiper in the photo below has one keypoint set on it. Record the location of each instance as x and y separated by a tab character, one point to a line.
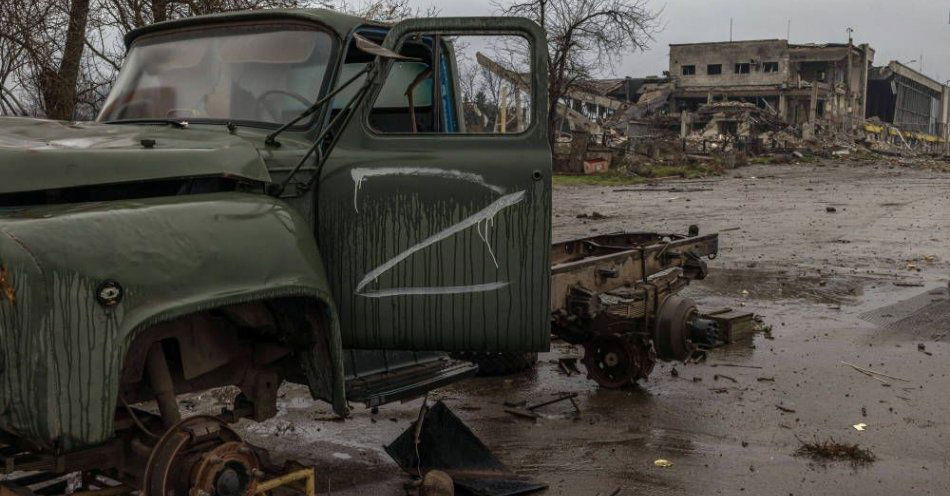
176	123
338	122
333	129
362	44
271	139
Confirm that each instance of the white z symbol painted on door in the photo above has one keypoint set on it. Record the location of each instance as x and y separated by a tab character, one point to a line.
482	220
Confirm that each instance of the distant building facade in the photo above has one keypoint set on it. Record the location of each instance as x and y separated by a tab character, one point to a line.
801	83
909	100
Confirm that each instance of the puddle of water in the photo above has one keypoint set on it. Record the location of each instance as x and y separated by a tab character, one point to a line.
779	285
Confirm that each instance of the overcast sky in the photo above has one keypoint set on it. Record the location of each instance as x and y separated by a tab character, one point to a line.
897	29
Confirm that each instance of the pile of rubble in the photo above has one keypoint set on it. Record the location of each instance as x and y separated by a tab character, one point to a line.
723	134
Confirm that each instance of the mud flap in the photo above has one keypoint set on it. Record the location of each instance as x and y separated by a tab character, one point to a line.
446	444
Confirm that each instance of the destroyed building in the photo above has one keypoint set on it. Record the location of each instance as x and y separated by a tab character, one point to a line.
752	97
910	101
626	89
801	83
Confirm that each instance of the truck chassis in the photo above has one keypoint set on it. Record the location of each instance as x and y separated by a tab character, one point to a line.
616	294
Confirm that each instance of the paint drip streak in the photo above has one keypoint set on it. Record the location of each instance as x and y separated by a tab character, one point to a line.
487	212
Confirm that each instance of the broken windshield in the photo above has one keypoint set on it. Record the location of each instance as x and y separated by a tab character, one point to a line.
263	73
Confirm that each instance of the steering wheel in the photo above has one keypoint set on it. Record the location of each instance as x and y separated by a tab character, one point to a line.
261	102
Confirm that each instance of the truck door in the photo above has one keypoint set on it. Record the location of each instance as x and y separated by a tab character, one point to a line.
435	207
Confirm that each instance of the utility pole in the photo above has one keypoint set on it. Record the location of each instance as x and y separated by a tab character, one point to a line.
847	91
730	29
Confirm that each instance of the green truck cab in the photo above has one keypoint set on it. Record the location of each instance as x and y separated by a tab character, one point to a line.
201	234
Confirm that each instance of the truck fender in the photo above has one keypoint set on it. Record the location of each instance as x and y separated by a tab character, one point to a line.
88	278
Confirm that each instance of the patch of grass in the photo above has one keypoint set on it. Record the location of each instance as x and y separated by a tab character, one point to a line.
864	156
609	179
831	450
644	174
773	159
684	171
809	158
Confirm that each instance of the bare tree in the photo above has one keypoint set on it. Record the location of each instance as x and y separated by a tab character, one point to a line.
481	94
59	86
11	62
380	10
49	35
582	37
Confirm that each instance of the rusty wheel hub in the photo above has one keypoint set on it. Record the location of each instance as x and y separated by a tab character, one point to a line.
615	361
201	456
227	470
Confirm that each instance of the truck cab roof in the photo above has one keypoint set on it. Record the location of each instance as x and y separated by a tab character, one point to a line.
341	24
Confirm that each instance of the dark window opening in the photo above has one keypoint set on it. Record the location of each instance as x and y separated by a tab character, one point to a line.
822	76
770	67
689	70
714	69
391	112
743	68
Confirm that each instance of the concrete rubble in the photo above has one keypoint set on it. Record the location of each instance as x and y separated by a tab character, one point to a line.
724	103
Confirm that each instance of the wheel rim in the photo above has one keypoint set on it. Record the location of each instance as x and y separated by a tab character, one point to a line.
611	360
201	456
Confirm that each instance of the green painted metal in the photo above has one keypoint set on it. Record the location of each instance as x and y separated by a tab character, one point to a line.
342	24
40	154
442	241
62	351
412	242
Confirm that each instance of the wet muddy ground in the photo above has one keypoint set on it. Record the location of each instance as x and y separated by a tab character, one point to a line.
864	284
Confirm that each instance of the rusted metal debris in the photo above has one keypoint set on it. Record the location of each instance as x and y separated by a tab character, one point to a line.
716	377
551	402
528	414
529	410
568	365
874	374
6	287
448	445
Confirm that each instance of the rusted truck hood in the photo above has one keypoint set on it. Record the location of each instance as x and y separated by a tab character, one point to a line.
40	154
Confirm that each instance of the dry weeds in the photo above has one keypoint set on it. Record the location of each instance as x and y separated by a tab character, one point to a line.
831	450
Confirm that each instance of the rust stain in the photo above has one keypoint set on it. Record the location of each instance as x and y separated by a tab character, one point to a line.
6	289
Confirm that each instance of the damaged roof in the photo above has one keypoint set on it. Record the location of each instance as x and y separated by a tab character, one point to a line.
896	68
